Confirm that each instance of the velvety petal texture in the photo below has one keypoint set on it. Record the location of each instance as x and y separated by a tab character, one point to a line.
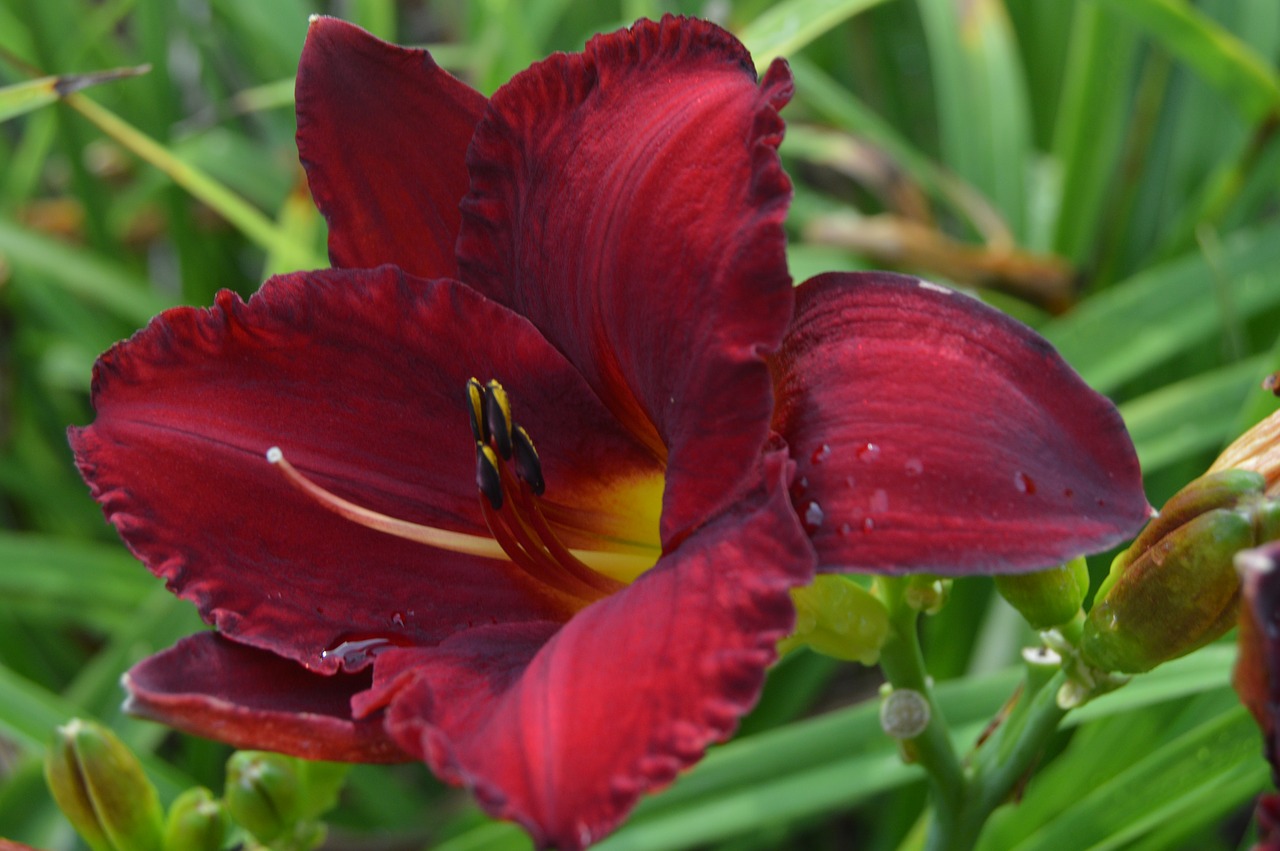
212	687
562	727
629	201
1257	672
383	133
935	434
360	377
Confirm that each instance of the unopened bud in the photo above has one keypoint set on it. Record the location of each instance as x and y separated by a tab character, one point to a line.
101	787
1175	589
264	793
1257	450
197	822
1047	598
838	617
926	593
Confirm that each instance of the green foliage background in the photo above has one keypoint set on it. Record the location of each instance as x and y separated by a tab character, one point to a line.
1106	170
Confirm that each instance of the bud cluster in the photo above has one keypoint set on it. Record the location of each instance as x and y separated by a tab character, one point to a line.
102	789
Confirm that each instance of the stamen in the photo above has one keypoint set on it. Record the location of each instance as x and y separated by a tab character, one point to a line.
475	407
458	542
514	537
620	566
497	418
546	536
488	479
528	467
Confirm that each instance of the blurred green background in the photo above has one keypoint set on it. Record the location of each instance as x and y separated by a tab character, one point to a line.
1106	170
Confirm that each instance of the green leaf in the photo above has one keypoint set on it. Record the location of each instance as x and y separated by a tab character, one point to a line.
1215	53
790	25
21	98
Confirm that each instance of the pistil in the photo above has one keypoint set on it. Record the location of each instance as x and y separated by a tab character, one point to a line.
509	480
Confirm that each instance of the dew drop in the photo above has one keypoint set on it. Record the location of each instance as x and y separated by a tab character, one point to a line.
868	525
813	517
799	488
355	652
1024	483
868	452
397	618
822	453
914	466
880	501
846	530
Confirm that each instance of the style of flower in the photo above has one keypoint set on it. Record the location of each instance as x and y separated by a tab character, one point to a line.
593	263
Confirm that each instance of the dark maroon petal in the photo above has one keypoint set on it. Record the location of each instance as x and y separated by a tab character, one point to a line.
383	133
1257	672
212	687
935	434
563	730
629	201
360	377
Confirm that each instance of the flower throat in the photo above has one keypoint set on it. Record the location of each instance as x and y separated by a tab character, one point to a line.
510	481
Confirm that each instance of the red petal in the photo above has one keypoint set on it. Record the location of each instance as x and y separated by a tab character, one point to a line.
211	687
563	730
360	378
383	133
935	434
1257	672
629	201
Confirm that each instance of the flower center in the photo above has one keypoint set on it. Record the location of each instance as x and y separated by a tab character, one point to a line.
510	481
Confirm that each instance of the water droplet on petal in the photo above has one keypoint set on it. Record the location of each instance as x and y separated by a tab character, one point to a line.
880	501
354	653
813	517
799	488
397	618
914	466
1024	483
845	530
822	453
868	525
868	452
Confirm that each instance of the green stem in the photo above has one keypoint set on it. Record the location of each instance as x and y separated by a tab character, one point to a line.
964	799
903	666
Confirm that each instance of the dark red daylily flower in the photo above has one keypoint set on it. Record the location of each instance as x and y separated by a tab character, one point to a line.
1257	673
583	627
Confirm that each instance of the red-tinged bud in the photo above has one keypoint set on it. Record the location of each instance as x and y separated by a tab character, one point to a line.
1257	450
838	617
197	821
1047	598
100	786
1175	589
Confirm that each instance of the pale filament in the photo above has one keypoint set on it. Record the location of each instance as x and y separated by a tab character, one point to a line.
621	566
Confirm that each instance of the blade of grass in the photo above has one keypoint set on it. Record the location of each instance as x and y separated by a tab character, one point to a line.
230	206
22	98
984	120
80	272
1215	53
790	25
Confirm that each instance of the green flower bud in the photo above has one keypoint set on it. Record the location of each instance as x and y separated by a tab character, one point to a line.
1175	589
264	793
838	617
1047	598
101	787
197	822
